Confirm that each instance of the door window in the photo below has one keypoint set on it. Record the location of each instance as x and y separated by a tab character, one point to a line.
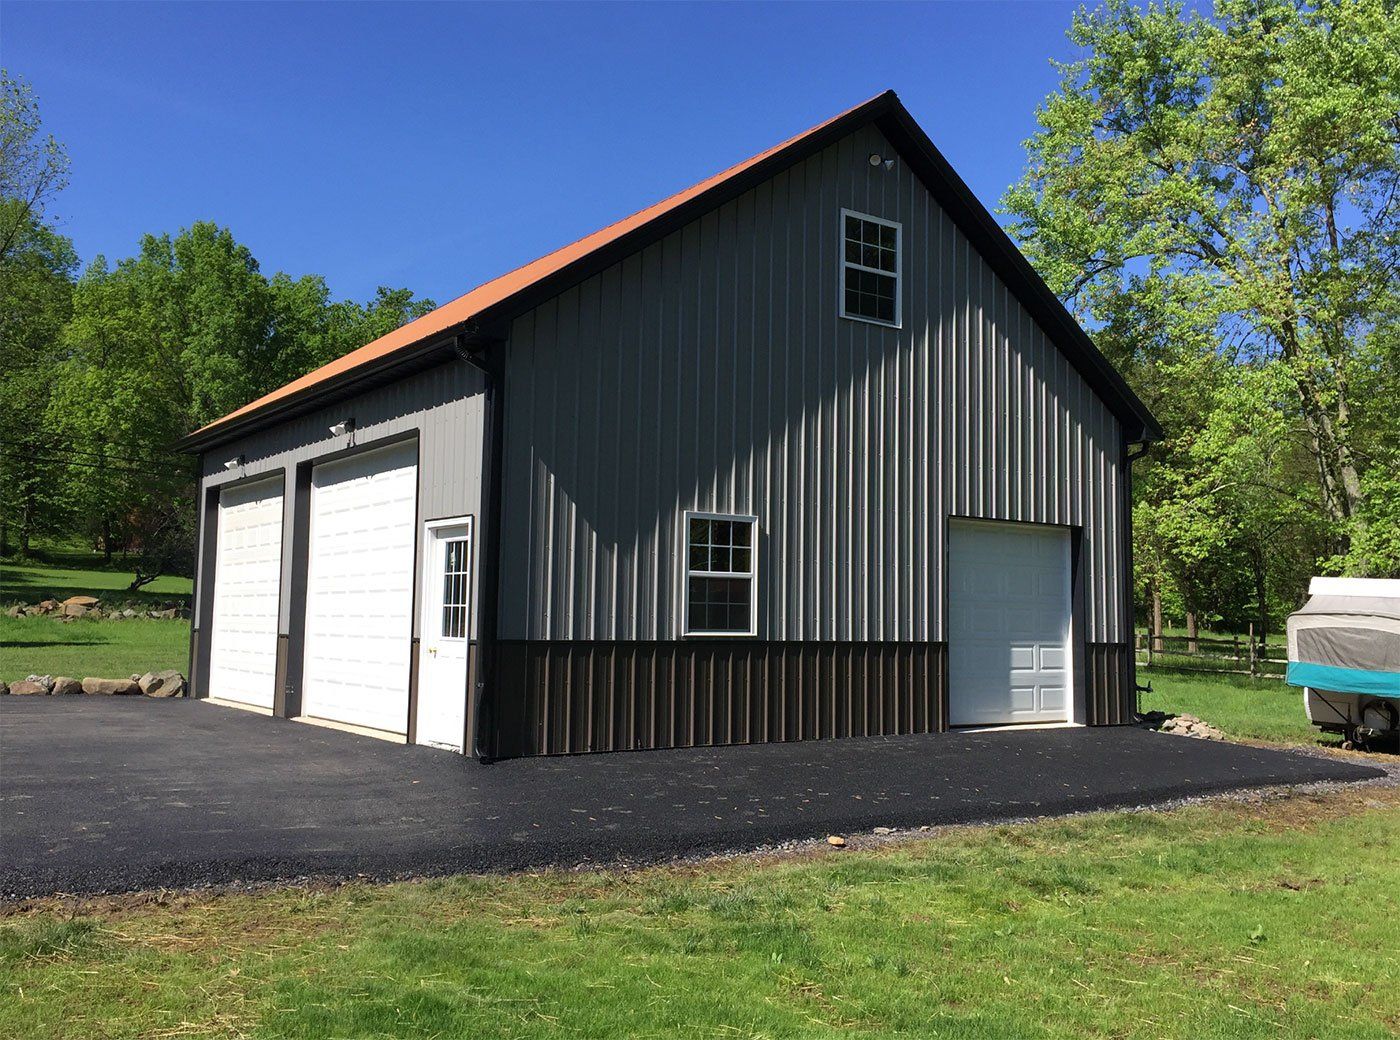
455	591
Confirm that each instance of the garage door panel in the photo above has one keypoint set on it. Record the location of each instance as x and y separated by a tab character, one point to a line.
1023	700
359	600
1009	623
247	592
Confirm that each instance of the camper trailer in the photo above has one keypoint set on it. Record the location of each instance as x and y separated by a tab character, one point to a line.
1344	651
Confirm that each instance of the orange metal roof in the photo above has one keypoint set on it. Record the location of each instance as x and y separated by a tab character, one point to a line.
496	291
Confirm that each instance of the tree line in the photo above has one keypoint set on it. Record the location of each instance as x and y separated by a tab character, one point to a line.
1216	195
103	367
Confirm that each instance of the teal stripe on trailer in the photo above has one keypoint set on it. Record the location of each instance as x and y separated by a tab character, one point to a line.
1343	680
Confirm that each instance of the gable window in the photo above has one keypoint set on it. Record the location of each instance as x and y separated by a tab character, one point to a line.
870	250
720	572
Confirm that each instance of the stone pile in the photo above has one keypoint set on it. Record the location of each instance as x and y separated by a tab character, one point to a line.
1182	725
91	607
167	683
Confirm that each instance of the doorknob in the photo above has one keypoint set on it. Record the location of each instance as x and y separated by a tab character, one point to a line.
432	649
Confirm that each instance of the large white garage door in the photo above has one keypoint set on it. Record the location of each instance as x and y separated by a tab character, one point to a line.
359	589
247	585
1009	624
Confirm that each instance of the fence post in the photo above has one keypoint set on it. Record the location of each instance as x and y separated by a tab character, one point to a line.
1253	651
1238	658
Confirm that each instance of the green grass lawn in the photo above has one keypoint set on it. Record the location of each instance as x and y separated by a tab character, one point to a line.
1222	920
106	649
69	575
1244	708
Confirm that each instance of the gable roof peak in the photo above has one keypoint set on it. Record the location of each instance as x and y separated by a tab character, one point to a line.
517	289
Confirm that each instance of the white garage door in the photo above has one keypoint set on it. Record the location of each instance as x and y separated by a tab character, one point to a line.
247	585
359	589
1008	624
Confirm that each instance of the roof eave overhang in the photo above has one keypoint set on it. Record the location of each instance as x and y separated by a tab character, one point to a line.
498	316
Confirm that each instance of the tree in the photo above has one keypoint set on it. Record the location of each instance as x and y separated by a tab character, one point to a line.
36	269
33	165
1220	194
166	341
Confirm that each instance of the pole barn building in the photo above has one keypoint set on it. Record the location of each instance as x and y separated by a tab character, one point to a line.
805	451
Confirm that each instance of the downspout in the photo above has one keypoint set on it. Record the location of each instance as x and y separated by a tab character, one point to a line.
487	361
199	564
1129	458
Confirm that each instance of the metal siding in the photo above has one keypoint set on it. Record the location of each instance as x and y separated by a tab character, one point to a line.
443	405
580	697
711	371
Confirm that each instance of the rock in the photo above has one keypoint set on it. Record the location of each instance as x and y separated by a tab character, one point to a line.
836	841
4	689
14	611
64	685
25	688
81	601
48	606
46	681
884	830
167	683
111	687
1190	726
128	612
166	615
74	610
31	611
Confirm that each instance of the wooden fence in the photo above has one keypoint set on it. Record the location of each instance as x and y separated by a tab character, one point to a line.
1223	655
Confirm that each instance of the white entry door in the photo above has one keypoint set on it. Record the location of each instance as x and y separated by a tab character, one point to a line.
1009	624
247	585
359	589
446	632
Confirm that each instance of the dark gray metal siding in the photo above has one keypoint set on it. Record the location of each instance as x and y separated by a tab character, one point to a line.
710	371
569	698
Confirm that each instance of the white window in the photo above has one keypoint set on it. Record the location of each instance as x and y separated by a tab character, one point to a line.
721	565
870	264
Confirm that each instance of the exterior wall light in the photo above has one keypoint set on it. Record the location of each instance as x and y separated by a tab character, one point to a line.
343	427
234	462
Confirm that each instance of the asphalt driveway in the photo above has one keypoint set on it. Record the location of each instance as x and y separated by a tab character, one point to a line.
115	794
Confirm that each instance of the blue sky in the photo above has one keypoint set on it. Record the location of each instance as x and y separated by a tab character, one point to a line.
435	146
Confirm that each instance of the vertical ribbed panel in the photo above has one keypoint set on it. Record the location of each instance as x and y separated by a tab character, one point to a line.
1110	696
570	698
711	372
444	405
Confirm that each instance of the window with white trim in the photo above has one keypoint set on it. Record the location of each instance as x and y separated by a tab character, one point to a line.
721	567
870	263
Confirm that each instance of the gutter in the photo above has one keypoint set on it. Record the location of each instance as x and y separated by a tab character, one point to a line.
487	358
